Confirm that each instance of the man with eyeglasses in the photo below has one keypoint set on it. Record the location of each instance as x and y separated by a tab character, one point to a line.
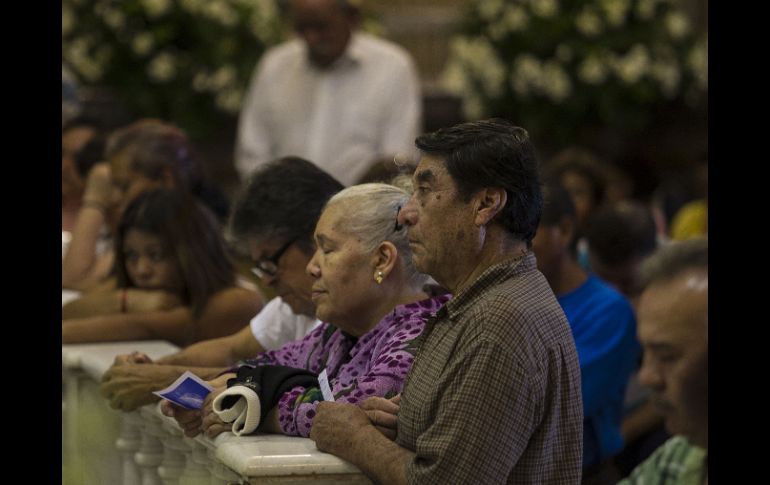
274	218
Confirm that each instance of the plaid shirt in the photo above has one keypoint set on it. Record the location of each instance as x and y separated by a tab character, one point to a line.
675	462
494	393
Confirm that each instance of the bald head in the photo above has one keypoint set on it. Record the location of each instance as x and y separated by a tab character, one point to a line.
672	321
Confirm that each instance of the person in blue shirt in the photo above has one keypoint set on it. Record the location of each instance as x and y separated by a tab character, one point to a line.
603	326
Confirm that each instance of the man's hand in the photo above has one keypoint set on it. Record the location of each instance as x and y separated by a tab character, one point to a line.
127	386
187	419
335	426
383	413
134	357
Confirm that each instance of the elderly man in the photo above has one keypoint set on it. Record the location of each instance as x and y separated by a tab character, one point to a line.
276	216
341	98
494	392
673	330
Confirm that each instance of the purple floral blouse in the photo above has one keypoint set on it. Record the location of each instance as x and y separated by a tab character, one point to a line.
375	364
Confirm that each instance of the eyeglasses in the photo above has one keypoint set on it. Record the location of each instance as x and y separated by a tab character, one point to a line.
269	266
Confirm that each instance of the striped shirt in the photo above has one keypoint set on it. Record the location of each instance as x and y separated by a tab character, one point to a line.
494	392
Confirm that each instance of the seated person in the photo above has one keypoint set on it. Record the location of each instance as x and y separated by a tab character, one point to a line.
82	144
144	155
275	216
673	330
603	325
619	237
174	279
585	177
369	294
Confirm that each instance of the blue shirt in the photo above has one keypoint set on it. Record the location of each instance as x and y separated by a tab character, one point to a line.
604	328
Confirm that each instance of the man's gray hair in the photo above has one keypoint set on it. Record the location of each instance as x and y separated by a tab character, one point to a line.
673	259
370	216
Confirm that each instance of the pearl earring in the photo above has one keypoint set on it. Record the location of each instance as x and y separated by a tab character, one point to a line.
378	277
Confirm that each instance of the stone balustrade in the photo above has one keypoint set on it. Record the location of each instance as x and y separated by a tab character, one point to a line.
144	447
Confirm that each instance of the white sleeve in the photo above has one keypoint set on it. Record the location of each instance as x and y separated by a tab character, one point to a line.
252	145
277	324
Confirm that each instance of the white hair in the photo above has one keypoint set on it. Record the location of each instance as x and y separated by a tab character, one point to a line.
371	217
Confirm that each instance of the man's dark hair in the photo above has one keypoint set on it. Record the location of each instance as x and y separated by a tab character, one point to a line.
492	153
283	201
557	204
621	232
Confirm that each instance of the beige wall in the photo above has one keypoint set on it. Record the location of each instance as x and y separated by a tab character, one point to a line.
423	27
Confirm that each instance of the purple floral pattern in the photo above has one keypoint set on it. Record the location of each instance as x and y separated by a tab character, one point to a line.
375	364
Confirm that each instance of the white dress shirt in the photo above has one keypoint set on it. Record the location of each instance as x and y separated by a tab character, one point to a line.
277	324
364	107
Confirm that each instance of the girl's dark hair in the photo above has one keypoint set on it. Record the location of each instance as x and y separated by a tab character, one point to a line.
189	233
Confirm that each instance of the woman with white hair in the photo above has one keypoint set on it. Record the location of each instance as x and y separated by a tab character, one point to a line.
371	298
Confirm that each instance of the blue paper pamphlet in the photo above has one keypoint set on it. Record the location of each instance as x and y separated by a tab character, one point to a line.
187	391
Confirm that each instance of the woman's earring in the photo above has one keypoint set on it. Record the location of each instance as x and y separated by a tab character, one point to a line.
378	277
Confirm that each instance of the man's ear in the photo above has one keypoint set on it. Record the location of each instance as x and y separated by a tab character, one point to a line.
490	201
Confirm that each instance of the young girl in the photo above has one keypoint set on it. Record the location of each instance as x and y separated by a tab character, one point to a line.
174	280
144	155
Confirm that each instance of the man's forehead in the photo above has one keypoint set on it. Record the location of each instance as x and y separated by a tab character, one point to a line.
674	311
430	169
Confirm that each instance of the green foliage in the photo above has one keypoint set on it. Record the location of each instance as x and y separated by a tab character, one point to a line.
186	61
556	66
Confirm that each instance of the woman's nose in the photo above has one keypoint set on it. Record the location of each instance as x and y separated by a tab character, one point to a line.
312	268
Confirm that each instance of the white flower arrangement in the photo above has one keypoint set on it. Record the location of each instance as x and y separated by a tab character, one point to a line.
566	63
188	61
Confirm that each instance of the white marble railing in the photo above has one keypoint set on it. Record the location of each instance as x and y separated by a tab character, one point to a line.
145	447
92	452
